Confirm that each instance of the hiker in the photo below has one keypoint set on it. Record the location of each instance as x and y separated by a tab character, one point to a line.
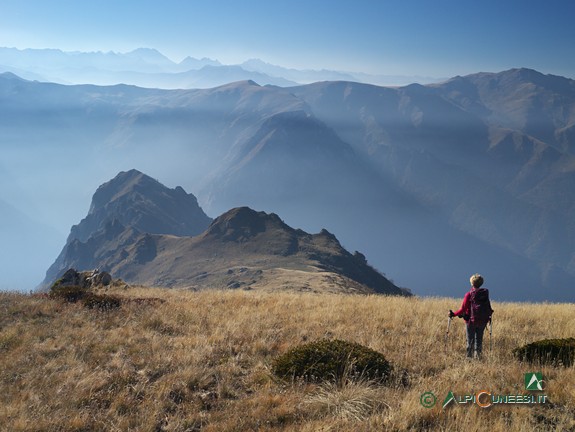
476	311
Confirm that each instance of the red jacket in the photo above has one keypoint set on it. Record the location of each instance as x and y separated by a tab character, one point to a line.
465	310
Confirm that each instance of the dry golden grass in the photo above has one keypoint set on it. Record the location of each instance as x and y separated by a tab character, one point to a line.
201	361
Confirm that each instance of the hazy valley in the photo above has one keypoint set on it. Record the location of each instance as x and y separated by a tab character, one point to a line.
431	183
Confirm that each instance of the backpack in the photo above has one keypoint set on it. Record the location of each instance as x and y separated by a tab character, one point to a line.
480	308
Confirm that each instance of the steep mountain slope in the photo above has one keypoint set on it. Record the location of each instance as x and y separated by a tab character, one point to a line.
502	186
541	106
241	248
129	204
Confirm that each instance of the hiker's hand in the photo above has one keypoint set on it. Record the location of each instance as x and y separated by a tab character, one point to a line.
451	314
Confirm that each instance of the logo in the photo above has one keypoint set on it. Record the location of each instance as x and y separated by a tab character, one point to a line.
428	400
534	381
486	398
448	399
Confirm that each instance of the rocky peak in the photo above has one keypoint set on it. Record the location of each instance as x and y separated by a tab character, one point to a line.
242	223
125	183
137	200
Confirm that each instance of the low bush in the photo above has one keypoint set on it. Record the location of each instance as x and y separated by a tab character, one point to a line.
101	301
71	294
90	300
332	360
548	351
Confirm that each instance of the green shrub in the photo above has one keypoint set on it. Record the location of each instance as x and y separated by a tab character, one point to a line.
70	294
548	351
101	301
332	360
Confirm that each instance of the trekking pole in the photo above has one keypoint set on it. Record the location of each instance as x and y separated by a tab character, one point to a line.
490	332
447	333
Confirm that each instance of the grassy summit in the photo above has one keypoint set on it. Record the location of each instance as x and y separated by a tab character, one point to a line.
174	360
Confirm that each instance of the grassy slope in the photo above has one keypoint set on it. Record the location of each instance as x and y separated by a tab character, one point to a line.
200	360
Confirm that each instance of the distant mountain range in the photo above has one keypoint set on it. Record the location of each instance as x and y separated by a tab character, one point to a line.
147	67
433	183
146	233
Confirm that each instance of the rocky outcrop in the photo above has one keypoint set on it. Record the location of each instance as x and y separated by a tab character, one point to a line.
138	201
84	279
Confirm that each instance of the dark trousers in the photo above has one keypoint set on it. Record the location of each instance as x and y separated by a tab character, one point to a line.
474	339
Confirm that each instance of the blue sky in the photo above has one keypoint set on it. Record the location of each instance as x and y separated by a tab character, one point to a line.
438	38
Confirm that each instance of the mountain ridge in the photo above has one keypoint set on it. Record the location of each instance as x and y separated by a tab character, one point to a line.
240	248
394	171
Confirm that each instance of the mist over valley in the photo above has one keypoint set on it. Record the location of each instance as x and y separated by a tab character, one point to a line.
430	182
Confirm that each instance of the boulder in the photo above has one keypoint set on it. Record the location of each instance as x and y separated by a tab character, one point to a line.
84	279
